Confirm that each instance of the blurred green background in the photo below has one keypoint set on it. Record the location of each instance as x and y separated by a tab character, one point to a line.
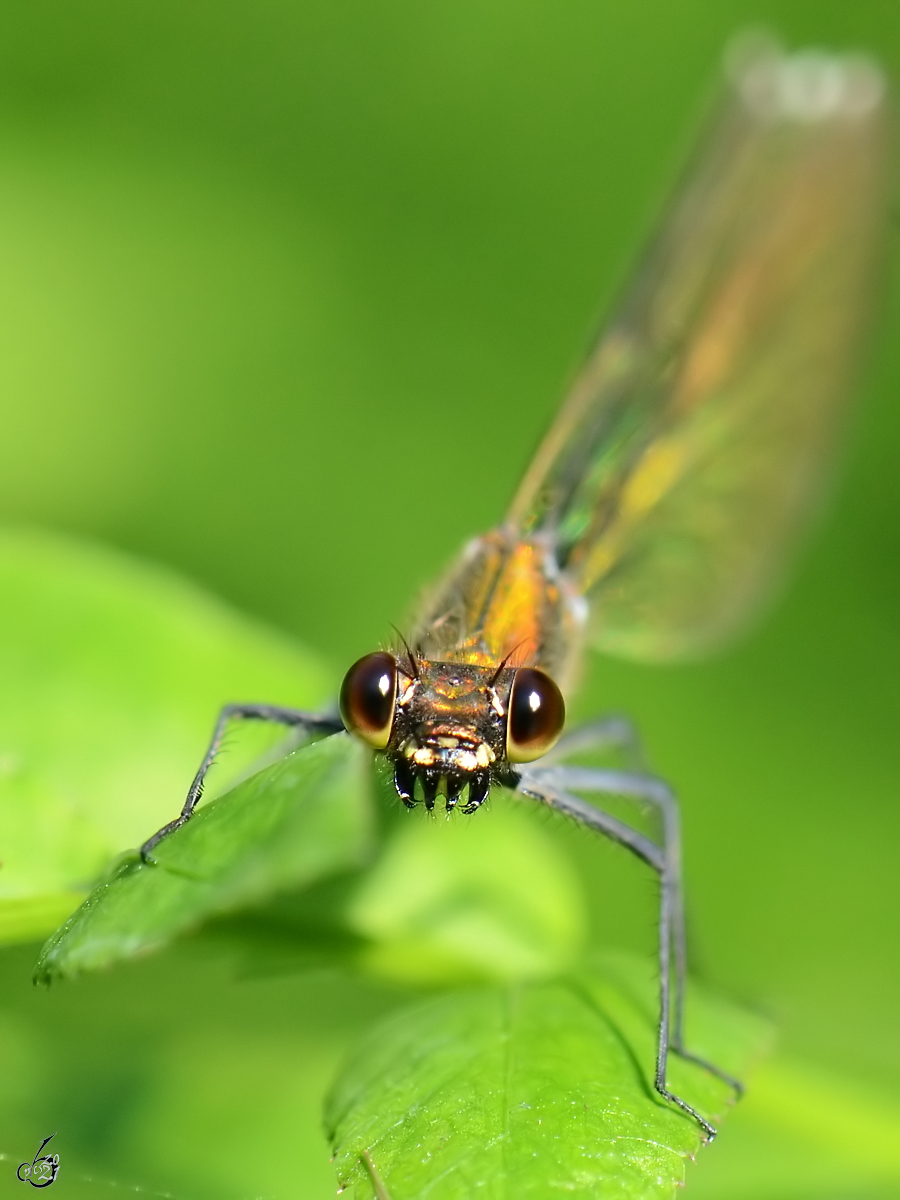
260	262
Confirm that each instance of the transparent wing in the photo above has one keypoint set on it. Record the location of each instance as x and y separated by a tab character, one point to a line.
691	445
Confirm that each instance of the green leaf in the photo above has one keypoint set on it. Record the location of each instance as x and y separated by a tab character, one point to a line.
456	898
530	1091
111	676
295	822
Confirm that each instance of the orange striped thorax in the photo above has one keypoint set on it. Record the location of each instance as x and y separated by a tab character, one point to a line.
504	602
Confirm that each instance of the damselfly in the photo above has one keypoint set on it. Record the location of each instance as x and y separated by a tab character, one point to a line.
664	495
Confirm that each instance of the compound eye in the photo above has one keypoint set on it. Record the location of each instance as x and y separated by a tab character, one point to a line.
368	696
537	713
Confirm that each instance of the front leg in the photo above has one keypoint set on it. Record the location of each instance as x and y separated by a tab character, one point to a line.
551	786
291	717
656	792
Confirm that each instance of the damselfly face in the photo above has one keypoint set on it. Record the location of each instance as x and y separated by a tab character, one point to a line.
451	728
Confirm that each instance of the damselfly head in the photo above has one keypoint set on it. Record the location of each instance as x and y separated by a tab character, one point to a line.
451	726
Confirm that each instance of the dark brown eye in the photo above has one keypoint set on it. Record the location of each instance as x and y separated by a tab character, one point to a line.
368	694
537	713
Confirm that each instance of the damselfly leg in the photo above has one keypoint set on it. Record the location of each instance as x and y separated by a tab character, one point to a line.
617	732
293	718
555	786
614	732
